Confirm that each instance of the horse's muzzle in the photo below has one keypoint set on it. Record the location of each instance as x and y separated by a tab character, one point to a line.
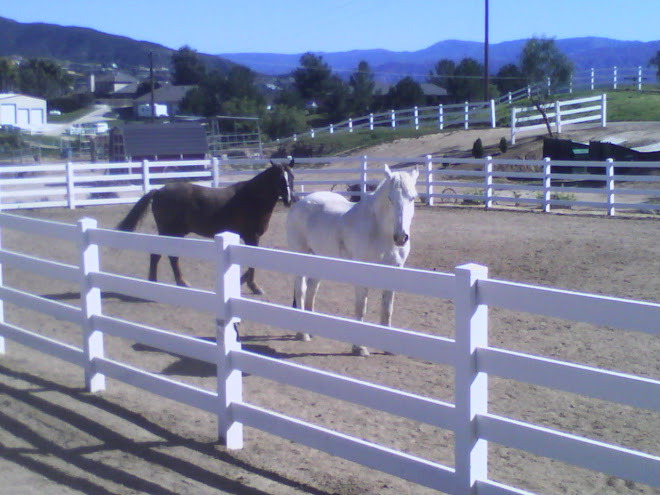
401	239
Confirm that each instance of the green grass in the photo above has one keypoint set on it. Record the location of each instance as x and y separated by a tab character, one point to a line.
633	106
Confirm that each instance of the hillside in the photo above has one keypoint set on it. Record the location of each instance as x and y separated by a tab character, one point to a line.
85	46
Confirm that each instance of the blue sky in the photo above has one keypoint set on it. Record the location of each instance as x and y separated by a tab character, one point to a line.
297	26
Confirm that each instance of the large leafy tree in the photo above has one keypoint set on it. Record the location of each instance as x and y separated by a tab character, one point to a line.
362	89
187	69
443	75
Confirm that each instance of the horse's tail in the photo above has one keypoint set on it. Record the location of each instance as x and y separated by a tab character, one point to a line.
134	216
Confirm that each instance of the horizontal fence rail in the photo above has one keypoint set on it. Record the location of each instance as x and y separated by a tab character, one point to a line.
549	185
469	287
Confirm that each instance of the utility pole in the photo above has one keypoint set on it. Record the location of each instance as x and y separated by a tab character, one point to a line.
151	78
486	52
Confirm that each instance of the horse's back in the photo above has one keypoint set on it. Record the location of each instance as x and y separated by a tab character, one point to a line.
314	223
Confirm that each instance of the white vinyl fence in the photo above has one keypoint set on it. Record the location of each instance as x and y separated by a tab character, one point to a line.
592	109
473	360
492	183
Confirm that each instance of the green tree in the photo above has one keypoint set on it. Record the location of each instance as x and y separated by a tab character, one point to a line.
8	76
187	69
43	78
541	61
336	102
655	61
443	75
362	89
312	79
406	93
469	80
509	78
283	121
544	68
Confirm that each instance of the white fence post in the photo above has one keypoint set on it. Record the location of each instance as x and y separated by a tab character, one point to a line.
639	78
611	210
466	116
614	81
513	125
371	121
603	110
70	186
90	300
441	117
229	380
145	176
471	386
488	182
547	183
215	172
493	120
558	116
416	113
593	79
393	113
350	124
363	176
429	180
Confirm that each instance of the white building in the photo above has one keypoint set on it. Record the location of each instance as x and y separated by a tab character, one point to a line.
22	111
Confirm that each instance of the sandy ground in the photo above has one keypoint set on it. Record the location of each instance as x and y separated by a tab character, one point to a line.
57	439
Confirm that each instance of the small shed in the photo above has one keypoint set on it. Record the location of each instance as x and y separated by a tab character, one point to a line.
26	112
158	142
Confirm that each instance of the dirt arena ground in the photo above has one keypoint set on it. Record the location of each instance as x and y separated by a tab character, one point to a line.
56	439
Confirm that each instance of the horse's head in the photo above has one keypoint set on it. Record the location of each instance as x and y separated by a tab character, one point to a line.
285	181
401	194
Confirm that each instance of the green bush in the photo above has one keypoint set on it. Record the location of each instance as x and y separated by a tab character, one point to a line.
478	149
504	145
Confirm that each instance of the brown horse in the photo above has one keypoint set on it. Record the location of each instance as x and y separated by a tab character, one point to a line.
244	208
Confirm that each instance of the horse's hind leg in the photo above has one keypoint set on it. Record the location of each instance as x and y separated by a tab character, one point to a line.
153	267
174	261
360	310
305	289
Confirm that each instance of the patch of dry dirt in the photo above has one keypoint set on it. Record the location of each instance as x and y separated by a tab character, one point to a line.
56	439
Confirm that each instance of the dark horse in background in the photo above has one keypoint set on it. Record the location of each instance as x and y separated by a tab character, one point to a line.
244	208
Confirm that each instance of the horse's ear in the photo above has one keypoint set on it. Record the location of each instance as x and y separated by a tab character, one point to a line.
388	172
415	174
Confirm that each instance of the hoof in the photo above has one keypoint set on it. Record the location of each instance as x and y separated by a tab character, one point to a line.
305	337
256	290
182	283
360	350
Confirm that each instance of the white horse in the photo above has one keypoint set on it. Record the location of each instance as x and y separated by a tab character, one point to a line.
375	229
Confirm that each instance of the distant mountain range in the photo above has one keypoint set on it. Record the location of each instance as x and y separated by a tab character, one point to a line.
585	53
87	46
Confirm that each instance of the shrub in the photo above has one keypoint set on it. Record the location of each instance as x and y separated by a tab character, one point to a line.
478	149
504	145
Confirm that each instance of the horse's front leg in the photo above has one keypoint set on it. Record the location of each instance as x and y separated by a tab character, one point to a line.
248	276
386	307
361	294
174	262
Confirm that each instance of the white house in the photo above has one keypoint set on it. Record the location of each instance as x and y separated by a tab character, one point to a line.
22	111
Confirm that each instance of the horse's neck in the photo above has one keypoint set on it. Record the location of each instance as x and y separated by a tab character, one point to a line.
259	187
376	205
